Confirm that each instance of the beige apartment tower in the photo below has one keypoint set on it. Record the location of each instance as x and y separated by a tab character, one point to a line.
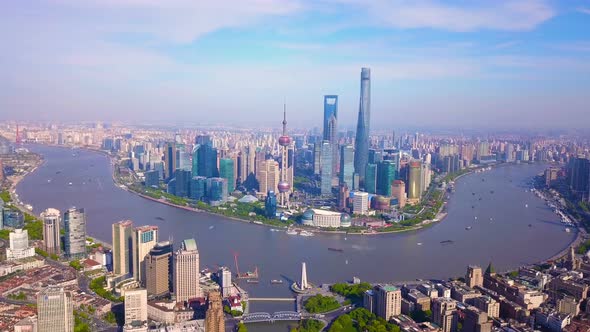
186	272
144	239
444	314
122	247
55	310
388	300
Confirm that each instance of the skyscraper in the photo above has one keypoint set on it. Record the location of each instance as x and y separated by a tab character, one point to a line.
224	276
144	239
267	174
169	160
51	234
270	205
371	178
19	245
347	165
331	128
186	271
386	173
55	310
214	318
414	186
474	276
123	247
226	171
285	183
206	158
135	306
361	145
326	167
158	269
75	233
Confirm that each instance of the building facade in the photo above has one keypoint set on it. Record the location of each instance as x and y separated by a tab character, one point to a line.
186	272
123	247
51	231
55	310
75	233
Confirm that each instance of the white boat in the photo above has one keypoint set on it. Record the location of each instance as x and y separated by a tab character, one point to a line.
69	184
346	262
291	232
305	233
476	218
211	227
567	230
29	207
526	205
419	243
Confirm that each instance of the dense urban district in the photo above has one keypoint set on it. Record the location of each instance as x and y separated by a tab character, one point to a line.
55	277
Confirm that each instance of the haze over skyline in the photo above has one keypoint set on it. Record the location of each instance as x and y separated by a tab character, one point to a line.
513	64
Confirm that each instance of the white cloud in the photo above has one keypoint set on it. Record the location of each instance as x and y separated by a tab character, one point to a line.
583	10
512	15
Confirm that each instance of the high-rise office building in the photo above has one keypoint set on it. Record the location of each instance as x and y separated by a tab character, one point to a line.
51	231
326	166
414	181
198	188
144	239
388	300
347	165
474	276
19	245
371	178
135	306
361	146
123	247
170	160
186	271
444	314
331	128
206	158
158	269
182	183
270	205
579	176
216	190
398	190
55	310
509	153
214	317
360	203
75	233
386	173
226	171
267	174
317	158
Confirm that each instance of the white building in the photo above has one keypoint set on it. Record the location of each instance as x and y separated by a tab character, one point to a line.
324	218
135	306
19	245
360	203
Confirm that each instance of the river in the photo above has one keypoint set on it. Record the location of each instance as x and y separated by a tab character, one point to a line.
500	233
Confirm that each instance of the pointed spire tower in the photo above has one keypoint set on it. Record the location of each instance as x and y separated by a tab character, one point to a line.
304	285
284	185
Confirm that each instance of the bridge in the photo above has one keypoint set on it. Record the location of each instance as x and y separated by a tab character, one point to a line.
283	299
266	317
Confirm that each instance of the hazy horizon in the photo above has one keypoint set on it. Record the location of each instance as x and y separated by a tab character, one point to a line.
490	64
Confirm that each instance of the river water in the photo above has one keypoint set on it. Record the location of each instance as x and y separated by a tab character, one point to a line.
492	203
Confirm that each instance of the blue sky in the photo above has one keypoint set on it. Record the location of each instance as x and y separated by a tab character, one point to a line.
515	64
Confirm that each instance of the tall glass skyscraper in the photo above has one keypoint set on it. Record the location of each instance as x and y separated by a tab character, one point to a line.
326	169
226	171
386	173
331	128
371	178
347	166
361	151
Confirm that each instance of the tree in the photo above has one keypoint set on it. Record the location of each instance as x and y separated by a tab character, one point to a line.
242	327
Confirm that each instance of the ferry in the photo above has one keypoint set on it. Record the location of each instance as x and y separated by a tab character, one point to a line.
446	242
468	228
276	281
336	249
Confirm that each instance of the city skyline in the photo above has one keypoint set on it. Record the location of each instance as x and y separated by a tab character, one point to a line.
434	63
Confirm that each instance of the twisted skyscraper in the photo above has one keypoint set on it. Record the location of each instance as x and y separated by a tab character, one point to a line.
361	144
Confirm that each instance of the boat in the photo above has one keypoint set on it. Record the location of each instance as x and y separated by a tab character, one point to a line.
276	281
305	233
475	217
291	232
336	249
419	243
346	262
567	230
160	218
211	227
252	281
48	181
69	184
446	242
526	205
29	207
530	225
468	228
